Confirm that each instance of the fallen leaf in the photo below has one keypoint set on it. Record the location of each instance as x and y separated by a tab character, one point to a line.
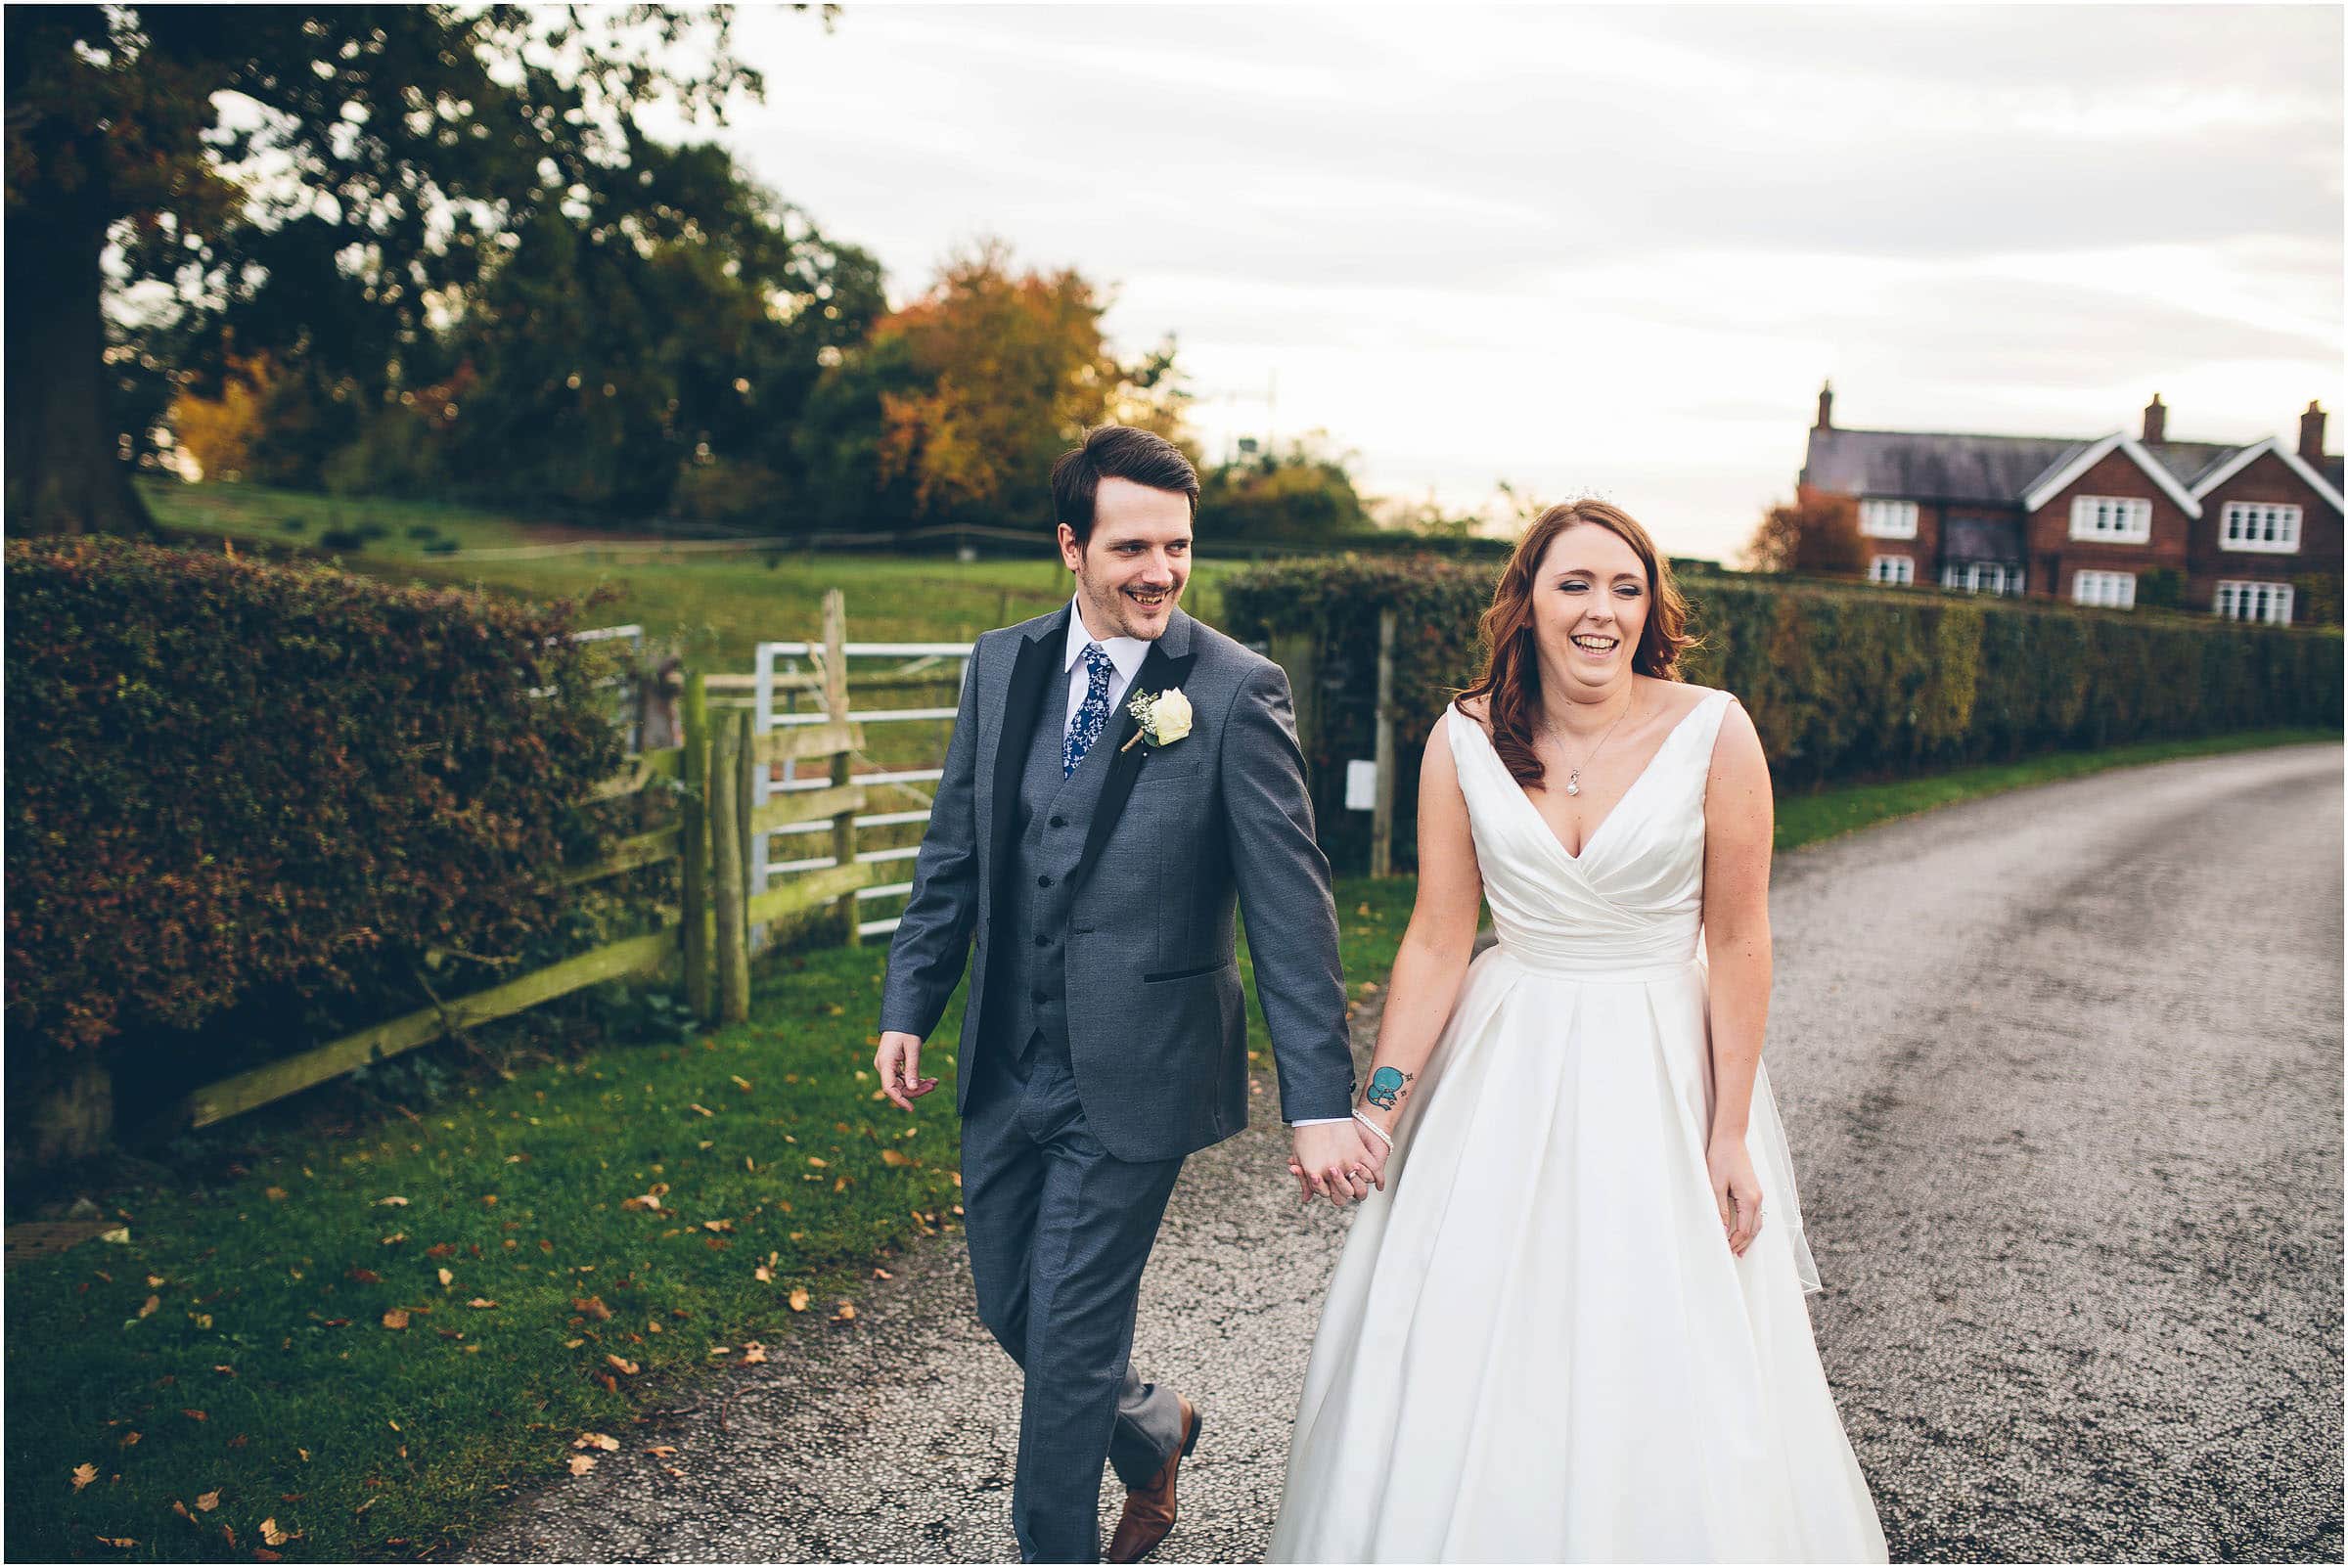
225	1372
272	1534
195	1416
895	1156
581	1463
393	1202
148	1309
275	1194
124	1542
623	1364
395	1319
440	1249
206	1502
763	1275
305	1454
181	1509
597	1440
662	1450
818	1161
155	1281
799	1298
572	1344
752	1354
229	1534
846	1313
591	1307
717	1224
83	1475
480	1301
264	1555
703	1110
395	1238
447	1278
882	1274
743	1082
648	1201
128	1438
365	1277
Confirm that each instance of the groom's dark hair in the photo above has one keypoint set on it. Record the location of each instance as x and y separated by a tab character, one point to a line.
1116	452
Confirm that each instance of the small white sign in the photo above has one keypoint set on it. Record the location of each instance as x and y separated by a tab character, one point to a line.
1361	787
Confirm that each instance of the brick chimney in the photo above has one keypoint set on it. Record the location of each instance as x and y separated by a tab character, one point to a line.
2156	421
1826	407
2311	433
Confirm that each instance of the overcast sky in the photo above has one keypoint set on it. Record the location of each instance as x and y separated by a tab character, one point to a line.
1616	250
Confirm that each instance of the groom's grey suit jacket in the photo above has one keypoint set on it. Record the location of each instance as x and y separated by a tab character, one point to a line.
1113	903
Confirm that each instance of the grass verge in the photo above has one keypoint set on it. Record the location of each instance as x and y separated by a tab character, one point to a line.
239	1351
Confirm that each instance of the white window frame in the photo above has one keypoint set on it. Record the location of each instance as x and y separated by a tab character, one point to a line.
2107	590
2252	600
1884	519
1893	571
1982	577
2113	519
2267	527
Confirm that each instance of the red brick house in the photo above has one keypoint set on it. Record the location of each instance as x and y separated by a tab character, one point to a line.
2251	532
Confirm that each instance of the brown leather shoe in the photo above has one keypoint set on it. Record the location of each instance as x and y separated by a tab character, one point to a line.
1150	1508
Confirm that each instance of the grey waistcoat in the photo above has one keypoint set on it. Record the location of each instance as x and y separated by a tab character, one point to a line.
1028	989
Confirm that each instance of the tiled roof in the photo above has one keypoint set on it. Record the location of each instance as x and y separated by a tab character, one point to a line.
1992	469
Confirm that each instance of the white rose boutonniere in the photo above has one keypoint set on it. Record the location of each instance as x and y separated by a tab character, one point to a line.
1160	720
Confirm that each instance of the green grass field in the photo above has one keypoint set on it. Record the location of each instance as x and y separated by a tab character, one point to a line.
717	608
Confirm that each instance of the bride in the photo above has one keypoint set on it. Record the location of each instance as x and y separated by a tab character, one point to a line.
1569	1323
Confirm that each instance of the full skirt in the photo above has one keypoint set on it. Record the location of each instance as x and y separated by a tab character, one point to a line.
1537	1345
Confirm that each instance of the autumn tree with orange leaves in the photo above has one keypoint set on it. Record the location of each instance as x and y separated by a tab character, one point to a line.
955	407
1817	536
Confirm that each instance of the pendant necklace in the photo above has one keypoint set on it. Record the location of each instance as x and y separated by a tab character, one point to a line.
1573	775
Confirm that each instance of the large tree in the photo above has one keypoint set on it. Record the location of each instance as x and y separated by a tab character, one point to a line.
318	180
955	408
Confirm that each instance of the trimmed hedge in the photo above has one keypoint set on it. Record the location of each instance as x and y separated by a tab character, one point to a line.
1844	684
237	787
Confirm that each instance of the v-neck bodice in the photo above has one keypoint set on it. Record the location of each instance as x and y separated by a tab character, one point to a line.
1634	896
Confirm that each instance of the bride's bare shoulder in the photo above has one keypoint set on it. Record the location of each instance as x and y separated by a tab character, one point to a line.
1477	708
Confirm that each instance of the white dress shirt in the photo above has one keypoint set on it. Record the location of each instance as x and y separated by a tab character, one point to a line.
1126	653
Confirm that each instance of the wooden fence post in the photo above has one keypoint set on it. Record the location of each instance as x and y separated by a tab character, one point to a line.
694	846
836	703
727	843
1382	818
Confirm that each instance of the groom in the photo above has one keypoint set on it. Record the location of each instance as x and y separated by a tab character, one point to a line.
1095	855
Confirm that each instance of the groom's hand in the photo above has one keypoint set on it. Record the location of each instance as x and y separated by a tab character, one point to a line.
1334	1161
898	1061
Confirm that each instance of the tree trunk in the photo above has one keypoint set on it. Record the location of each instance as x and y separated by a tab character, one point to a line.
64	473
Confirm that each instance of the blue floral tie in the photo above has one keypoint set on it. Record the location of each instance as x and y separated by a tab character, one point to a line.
1092	718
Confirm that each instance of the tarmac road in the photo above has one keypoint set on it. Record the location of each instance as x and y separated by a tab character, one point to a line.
2063	1074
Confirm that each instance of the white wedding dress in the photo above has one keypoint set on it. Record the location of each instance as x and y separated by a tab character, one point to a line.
1537	1345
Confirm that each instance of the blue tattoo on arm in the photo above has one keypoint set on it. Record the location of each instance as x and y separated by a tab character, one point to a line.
1385	1087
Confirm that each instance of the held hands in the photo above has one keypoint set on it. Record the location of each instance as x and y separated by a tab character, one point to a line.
898	1061
1338	1161
1736	1190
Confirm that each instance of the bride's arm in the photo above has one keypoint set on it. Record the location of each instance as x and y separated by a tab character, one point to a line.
1439	941
1740	818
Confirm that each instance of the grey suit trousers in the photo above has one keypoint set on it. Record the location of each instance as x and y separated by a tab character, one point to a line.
1058	1232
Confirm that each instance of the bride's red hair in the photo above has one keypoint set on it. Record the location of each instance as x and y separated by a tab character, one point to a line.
1510	685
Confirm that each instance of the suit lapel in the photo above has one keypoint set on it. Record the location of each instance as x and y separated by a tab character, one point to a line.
1023	706
1160	671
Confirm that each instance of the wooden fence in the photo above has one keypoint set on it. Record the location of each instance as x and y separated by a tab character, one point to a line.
719	772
